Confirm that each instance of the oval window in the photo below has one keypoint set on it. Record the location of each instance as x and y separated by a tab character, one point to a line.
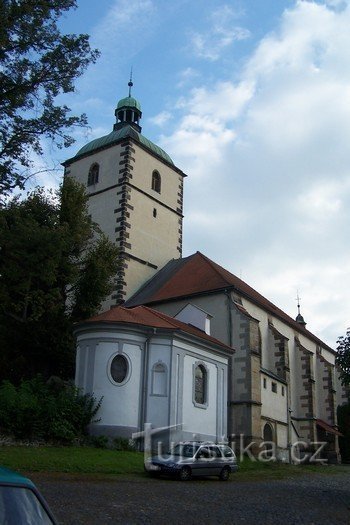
119	368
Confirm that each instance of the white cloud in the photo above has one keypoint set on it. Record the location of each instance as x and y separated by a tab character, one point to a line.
269	163
161	119
203	134
322	201
187	75
340	4
221	34
224	102
310	38
122	13
198	143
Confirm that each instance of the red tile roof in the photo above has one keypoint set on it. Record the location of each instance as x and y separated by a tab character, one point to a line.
145	316
197	274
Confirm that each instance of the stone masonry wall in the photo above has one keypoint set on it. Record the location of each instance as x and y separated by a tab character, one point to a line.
122	217
307	425
245	400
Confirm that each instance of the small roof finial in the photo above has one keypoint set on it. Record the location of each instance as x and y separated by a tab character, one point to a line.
299	318
298	299
130	83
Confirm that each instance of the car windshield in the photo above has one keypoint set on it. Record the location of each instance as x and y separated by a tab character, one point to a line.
20	506
187	450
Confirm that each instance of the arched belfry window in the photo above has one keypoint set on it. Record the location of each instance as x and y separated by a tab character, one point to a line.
156	181
200	385
93	174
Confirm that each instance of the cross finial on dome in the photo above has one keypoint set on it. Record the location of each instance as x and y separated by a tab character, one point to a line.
130	83
298	299
299	318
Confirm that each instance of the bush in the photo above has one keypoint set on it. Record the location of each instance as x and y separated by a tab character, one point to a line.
98	441
47	411
124	444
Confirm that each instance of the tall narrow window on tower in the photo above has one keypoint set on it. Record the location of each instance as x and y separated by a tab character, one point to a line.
93	174
156	181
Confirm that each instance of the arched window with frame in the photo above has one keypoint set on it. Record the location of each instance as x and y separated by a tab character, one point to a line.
93	174
156	181
200	385
159	379
268	435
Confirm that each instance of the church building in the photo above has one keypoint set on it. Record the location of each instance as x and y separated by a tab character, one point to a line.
182	343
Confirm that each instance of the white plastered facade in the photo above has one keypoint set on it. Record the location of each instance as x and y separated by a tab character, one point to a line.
141	398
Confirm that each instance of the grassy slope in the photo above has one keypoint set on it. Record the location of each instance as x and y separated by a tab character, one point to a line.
84	460
71	459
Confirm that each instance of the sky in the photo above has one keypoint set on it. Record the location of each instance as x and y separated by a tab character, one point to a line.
251	99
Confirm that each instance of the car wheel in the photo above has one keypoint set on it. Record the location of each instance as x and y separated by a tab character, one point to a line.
154	474
224	474
185	474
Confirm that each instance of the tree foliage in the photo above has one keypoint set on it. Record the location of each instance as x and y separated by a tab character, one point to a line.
343	416
56	268
343	357
37	64
52	411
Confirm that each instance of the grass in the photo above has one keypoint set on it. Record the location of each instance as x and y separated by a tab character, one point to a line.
106	463
85	460
256	470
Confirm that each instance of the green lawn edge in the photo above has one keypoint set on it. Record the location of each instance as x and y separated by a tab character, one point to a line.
102	463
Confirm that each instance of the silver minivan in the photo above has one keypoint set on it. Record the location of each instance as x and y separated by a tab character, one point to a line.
193	458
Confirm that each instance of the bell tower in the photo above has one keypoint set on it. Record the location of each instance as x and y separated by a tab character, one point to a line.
135	195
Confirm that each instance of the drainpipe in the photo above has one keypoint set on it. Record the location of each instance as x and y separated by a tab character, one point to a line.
289	437
230	367
144	378
229	301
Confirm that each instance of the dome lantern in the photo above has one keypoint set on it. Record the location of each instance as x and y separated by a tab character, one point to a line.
128	111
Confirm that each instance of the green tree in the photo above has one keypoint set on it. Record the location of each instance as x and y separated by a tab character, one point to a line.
46	410
37	64
343	357
56	268
343	417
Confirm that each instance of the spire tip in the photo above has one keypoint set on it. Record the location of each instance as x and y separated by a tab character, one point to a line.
130	83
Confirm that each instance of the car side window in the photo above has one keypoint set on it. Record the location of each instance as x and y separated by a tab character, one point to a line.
203	453
215	452
227	452
188	451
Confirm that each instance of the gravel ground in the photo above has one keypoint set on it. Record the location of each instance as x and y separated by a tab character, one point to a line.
311	500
